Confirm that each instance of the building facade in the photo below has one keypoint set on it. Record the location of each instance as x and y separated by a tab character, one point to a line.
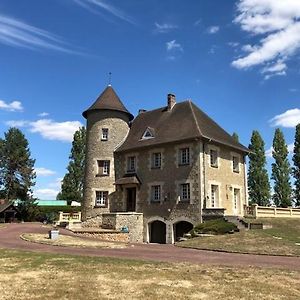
173	166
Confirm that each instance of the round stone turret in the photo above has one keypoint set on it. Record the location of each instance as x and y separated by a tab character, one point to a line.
107	127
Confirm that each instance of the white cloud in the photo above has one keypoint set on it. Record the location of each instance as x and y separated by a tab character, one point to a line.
164	28
19	34
289	118
172	45
94	6
45	194
44	172
43	114
278	23
233	44
14	105
290	148
17	123
213	29
51	130
293	90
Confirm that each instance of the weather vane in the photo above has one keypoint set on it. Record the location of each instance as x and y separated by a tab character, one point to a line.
109	78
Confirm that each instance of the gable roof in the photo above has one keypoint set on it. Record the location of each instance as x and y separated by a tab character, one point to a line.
6	205
108	100
185	121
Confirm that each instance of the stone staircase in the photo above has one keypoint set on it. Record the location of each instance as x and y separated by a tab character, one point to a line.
239	222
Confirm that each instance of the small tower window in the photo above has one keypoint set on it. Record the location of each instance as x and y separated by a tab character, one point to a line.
101	199
104	134
103	168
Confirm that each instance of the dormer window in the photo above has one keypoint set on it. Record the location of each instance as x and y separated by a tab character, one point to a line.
148	134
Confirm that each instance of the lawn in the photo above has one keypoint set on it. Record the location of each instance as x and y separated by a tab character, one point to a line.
44	276
282	239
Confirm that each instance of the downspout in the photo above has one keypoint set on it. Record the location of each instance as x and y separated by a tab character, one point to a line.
246	183
204	179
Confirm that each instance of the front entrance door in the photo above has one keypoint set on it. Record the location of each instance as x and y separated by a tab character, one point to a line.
131	199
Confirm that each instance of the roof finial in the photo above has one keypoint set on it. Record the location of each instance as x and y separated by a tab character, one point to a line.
109	79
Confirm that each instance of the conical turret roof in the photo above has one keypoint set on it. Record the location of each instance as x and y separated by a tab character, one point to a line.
108	100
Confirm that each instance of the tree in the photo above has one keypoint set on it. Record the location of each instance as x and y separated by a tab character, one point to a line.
235	137
258	180
296	168
281	171
16	166
17	176
72	184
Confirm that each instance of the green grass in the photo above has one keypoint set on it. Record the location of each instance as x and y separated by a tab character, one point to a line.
279	240
44	276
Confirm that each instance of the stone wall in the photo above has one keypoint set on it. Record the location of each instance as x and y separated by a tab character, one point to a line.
133	221
111	236
170	176
224	177
97	149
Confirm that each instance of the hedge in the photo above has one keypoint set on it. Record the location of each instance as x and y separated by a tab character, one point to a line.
218	226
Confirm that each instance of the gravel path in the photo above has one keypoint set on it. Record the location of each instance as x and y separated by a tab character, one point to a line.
10	239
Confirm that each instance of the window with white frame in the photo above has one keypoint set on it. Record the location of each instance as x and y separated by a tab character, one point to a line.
185	192
104	134
236	198
103	167
156	160
148	134
101	198
214	195
155	193
235	164
213	158
184	156
131	164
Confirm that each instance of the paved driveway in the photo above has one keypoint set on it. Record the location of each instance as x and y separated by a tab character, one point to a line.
10	239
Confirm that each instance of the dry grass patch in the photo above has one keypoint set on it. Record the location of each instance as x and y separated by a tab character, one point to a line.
282	239
70	241
48	276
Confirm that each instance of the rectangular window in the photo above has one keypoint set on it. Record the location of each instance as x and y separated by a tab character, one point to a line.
214	196
235	164
184	156
101	198
185	192
104	135
236	196
155	193
213	158
131	164
156	161
103	167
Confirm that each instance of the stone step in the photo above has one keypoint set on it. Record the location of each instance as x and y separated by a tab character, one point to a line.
240	223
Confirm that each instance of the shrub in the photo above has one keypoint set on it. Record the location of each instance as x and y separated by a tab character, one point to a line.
218	226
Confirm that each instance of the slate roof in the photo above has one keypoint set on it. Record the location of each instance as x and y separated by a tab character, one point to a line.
184	122
108	100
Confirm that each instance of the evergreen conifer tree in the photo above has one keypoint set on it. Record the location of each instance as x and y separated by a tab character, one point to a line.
72	184
17	176
258	180
296	168
281	171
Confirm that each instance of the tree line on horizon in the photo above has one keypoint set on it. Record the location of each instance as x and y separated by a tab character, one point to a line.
17	175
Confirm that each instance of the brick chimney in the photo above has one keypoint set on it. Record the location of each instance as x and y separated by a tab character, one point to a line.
141	110
171	101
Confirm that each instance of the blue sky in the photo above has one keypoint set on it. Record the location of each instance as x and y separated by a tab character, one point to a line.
237	60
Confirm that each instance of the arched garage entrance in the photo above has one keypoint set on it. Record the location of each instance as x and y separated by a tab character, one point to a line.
181	228
157	232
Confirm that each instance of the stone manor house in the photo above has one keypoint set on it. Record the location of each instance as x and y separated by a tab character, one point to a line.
160	173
